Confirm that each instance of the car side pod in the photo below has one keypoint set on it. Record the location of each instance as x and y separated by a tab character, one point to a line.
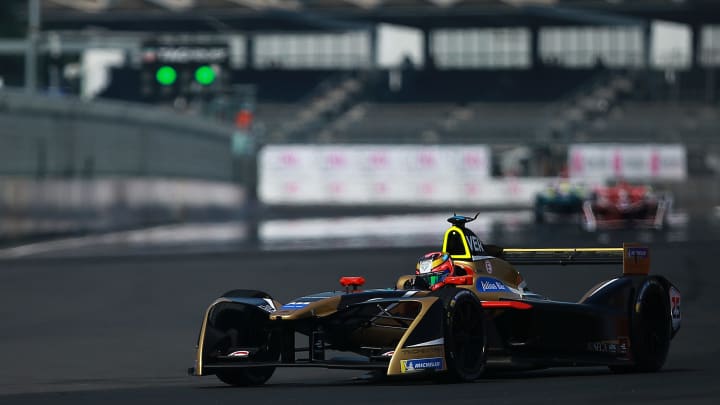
448	337
506	304
459	280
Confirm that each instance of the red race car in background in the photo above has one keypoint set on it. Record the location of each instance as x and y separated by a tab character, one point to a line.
625	205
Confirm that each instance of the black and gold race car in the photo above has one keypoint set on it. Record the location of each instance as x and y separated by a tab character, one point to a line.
464	311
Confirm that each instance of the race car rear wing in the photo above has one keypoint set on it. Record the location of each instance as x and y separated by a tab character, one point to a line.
634	258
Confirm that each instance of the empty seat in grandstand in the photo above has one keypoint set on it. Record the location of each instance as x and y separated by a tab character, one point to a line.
659	122
498	122
446	122
382	122
271	117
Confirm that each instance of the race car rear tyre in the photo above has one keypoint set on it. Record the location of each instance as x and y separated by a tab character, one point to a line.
255	375
465	337
651	328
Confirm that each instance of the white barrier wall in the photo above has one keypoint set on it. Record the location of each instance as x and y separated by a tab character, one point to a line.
386	175
645	162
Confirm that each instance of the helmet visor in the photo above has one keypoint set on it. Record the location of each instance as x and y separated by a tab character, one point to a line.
433	278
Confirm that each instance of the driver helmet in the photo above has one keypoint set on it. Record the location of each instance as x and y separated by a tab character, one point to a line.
434	267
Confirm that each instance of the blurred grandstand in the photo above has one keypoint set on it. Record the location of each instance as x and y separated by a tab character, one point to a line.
526	77
561	69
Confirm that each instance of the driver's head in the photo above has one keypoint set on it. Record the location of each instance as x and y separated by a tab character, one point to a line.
433	267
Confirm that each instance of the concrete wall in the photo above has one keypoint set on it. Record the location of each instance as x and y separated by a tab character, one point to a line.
67	137
67	165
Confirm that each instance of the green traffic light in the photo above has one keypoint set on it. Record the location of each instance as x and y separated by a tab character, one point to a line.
205	75
166	75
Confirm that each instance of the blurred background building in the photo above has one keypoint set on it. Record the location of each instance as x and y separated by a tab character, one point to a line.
121	113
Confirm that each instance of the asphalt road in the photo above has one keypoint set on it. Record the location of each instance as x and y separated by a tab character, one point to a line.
121	329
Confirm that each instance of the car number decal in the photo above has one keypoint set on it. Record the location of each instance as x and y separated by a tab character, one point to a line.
488	266
675	313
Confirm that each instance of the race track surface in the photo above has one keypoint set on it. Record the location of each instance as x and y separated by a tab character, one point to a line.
121	329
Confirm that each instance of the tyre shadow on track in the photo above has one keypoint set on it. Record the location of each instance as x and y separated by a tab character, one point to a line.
572	372
430	379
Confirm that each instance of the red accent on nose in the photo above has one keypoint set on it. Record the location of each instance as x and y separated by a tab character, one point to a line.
352	281
506	304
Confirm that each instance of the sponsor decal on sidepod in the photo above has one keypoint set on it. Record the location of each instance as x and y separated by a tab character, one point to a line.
488	284
433	363
619	346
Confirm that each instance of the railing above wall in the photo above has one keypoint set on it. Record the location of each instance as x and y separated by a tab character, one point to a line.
18	101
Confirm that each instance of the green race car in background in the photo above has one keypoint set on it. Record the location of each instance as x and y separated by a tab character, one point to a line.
561	199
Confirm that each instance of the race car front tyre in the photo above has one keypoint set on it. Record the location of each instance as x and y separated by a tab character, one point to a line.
246	294
239	327
246	377
465	337
651	328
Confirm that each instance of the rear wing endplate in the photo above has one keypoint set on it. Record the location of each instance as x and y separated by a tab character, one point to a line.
634	258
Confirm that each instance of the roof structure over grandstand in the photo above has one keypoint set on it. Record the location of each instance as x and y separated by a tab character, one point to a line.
278	15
